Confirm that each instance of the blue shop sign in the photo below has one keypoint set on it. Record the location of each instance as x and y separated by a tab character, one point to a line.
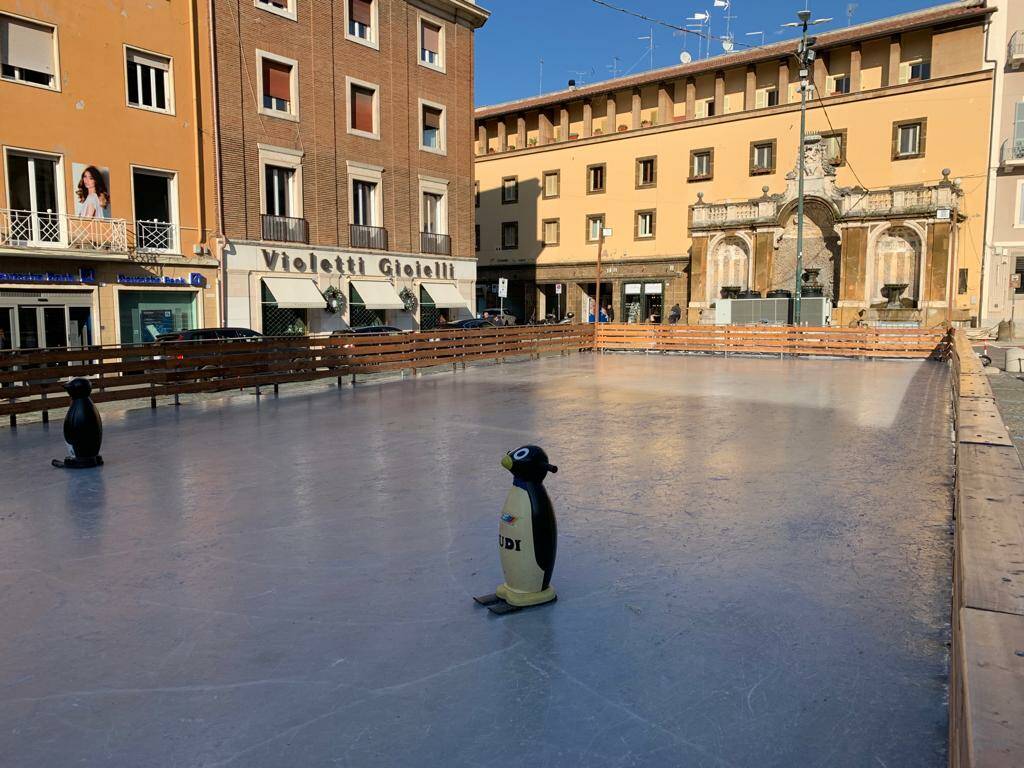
151	280
85	275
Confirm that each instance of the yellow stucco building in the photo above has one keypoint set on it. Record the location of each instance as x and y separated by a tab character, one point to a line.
107	195
693	169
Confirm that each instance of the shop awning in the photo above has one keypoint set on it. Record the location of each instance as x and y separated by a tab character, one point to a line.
377	294
446	295
295	292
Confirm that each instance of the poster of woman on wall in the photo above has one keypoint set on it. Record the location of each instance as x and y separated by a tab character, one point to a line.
92	192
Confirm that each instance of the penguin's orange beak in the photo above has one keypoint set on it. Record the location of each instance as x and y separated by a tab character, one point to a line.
506	462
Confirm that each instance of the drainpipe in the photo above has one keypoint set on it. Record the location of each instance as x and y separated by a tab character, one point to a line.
990	181
219	238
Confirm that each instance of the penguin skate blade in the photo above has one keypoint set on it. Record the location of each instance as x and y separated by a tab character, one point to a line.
73	463
500	607
496	605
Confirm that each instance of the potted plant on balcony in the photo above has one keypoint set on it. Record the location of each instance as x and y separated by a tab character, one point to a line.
645	123
623	128
532	142
598	132
573	136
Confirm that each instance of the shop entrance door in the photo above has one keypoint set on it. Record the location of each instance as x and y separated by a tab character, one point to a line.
6	328
42	327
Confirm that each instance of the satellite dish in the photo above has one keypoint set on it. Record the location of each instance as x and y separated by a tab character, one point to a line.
727	45
685	57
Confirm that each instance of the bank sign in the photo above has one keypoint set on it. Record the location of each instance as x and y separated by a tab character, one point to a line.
388	266
85	275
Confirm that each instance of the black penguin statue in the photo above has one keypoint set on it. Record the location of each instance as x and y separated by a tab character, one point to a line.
527	535
83	428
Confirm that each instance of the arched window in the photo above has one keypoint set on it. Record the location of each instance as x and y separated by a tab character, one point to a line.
729	266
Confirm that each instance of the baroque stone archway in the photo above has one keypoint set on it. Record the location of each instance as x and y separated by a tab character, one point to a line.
729	265
895	258
821	250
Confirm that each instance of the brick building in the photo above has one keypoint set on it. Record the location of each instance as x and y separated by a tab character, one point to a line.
345	150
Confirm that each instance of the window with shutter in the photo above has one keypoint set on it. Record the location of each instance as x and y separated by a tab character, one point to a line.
362	109
432	128
360	19
510	235
26	52
552	181
430	44
595	223
1018	125
551	227
148	77
761	99
510	189
277	86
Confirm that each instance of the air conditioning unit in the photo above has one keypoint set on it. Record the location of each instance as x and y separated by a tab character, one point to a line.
752	312
814	311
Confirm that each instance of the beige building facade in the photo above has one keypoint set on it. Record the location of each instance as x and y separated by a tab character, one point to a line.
106	157
693	170
1004	225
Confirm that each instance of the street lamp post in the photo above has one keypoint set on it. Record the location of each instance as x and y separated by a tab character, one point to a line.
604	232
806	56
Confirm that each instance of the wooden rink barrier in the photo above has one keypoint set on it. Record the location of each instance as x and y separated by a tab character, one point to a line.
32	380
986	681
775	340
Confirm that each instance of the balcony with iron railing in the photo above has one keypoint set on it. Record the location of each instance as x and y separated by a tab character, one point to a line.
1012	152
60	232
156	237
1015	50
285	229
436	244
372	238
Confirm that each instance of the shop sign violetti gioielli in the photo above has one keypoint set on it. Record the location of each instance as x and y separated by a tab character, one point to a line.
388	266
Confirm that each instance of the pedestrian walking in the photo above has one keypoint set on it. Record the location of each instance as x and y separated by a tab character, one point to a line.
674	314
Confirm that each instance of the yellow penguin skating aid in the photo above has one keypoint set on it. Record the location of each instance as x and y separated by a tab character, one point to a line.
527	535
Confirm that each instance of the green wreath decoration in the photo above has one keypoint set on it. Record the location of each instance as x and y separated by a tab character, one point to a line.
408	299
335	300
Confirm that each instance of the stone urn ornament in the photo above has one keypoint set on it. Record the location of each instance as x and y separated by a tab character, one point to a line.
893	293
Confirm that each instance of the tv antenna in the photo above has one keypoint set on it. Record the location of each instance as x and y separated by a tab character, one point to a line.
703	25
685	57
650	45
851	8
614	66
751	34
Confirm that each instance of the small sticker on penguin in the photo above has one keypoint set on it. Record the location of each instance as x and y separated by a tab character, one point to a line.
507	518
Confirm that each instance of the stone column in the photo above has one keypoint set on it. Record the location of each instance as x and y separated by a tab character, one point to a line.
853	265
936	268
783	84
895	53
481	137
691	98
563	123
719	93
520	131
588	119
666	99
855	69
750	93
820	73
611	115
543	128
502	138
636	108
698	269
764	250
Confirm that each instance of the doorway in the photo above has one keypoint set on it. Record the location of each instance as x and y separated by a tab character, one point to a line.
153	197
642	302
587	299
32	187
42	327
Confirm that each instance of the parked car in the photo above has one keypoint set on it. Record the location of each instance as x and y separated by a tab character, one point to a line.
499	316
207	334
472	322
373	330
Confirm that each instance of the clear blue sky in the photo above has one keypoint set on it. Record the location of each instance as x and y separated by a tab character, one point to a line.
579	36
